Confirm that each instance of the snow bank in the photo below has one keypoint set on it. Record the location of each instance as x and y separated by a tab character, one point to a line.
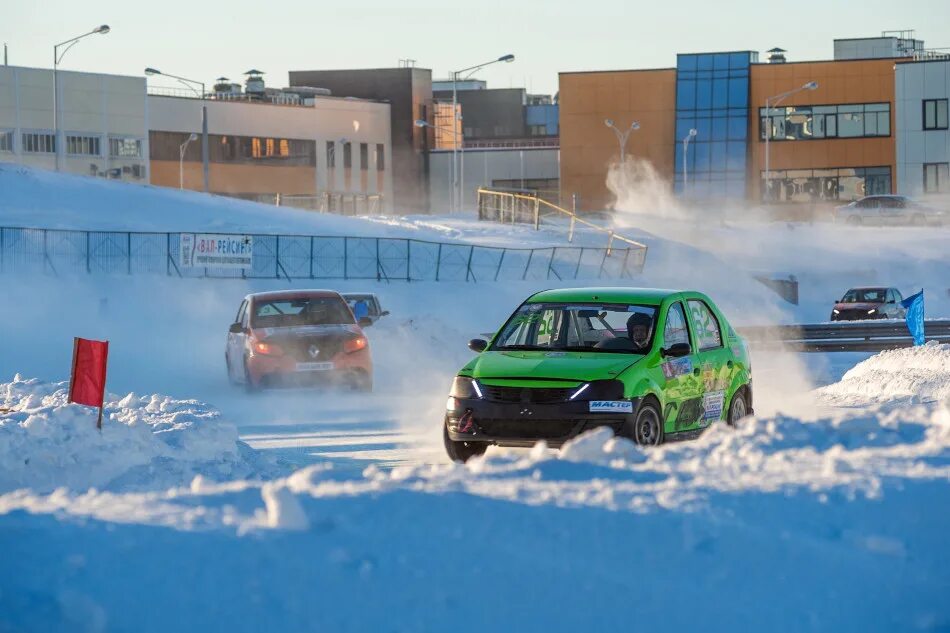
146	442
900	376
809	523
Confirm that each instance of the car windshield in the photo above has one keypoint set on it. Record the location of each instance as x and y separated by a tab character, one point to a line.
301	311
865	295
625	329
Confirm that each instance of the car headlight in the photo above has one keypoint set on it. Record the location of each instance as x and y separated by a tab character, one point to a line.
872	311
463	387
836	311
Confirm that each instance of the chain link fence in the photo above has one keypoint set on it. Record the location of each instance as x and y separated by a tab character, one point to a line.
66	252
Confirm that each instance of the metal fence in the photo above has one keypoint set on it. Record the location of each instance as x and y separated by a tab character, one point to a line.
66	252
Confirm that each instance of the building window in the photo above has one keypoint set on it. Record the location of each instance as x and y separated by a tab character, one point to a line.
799	123
380	157
125	147
937	177
935	114
39	143
347	155
77	145
331	155
6	140
251	150
364	156
811	185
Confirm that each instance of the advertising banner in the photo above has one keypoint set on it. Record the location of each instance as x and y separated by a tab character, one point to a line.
219	251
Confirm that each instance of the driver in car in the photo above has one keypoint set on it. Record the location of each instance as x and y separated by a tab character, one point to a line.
638	329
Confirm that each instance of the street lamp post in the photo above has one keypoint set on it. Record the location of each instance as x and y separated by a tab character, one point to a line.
181	159
622	136
425	124
458	175
770	102
686	140
58	57
204	117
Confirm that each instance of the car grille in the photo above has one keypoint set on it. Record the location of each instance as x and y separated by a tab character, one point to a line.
532	395
540	429
854	315
299	348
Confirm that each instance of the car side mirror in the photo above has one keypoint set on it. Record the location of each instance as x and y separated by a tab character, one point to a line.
676	350
478	345
365	321
236	328
384	313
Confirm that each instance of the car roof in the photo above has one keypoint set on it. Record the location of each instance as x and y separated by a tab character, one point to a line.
646	296
872	288
276	295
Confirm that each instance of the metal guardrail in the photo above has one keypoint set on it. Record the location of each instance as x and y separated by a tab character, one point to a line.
507	206
846	336
65	252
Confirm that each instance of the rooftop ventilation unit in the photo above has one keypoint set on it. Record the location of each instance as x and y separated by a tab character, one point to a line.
254	84
777	55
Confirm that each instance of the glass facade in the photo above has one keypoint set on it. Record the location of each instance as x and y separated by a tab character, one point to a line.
800	123
712	97
843	183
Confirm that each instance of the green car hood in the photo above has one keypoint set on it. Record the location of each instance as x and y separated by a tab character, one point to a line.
579	366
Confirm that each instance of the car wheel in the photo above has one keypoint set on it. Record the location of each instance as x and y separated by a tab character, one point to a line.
461	452
738	408
249	385
362	382
648	424
854	220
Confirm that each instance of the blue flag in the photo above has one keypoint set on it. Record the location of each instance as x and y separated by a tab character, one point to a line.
914	305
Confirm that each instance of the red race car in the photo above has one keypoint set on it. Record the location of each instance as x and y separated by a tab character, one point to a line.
298	338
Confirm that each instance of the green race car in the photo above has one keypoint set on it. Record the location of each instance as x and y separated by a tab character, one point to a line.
653	365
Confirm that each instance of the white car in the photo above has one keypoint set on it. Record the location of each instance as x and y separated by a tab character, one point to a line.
889	210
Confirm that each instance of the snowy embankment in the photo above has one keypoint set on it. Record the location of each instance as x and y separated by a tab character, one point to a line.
901	376
784	524
146	442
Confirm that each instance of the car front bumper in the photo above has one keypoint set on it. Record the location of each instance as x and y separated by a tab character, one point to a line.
523	424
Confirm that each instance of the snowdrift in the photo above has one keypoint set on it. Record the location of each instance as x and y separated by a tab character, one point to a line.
783	524
900	376
146	442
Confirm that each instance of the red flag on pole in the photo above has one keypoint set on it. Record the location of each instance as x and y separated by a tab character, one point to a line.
87	381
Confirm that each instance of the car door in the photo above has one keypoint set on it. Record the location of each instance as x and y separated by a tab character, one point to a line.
714	360
235	346
683	387
892	211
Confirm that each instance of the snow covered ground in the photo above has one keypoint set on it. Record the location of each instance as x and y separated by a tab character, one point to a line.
205	508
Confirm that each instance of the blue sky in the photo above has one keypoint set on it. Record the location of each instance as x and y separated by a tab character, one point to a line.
204	40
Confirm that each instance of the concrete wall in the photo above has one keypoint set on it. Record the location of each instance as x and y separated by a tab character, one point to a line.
328	120
90	104
409	93
917	81
482	166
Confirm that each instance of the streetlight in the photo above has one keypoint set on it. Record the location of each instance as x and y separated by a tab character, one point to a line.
181	159
457	181
769	103
425	124
58	57
686	140
622	136
191	83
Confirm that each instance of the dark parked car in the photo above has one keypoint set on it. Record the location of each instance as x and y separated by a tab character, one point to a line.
869	303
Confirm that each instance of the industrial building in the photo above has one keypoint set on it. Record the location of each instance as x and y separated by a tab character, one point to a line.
100	125
301	145
834	127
